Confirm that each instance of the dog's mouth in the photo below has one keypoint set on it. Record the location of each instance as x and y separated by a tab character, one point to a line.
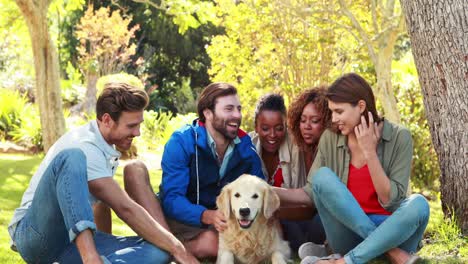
245	223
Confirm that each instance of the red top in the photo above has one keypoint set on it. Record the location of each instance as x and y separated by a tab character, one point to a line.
361	186
277	178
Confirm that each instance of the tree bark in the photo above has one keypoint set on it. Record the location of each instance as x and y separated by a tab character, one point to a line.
439	40
91	90
46	69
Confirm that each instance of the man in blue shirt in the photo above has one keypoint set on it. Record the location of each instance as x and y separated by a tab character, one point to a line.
198	161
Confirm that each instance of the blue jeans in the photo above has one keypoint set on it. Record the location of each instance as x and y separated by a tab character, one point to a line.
363	237
300	232
61	210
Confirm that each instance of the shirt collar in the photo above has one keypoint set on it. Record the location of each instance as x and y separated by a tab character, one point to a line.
212	143
108	149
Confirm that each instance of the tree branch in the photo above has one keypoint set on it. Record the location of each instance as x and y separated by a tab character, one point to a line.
161	6
374	15
362	33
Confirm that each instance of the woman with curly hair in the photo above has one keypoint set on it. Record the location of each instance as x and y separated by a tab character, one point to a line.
286	164
308	117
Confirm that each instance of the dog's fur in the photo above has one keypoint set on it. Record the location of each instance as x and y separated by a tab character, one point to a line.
258	238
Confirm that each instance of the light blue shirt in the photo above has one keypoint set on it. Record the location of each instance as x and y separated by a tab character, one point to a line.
227	155
102	161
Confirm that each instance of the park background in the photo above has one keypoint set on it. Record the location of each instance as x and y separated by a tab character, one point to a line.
55	56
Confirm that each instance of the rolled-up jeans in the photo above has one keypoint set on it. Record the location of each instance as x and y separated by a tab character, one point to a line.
361	237
60	211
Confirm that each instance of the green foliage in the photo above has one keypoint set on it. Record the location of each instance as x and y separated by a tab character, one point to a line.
158	127
12	105
278	46
443	236
425	170
29	132
121	77
72	89
19	120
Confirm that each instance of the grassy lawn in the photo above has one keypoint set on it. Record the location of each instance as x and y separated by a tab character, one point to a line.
443	241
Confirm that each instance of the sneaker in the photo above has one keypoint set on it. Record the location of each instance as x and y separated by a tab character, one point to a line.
311	249
314	259
413	259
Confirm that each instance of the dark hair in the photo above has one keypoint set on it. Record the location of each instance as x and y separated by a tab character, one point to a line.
120	97
350	88
208	96
317	96
271	102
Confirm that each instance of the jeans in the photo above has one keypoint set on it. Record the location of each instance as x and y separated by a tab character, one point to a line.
300	232
363	237
60	211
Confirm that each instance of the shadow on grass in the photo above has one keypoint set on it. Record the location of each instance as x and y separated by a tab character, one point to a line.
16	171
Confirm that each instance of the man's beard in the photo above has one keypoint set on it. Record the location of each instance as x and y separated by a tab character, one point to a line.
221	126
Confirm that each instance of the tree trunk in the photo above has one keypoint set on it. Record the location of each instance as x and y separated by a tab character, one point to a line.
439	40
90	99
46	69
384	91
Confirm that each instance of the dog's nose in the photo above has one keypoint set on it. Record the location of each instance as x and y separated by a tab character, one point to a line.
244	211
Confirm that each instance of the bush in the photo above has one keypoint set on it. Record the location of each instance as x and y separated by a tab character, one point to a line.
12	105
29	132
72	89
158	128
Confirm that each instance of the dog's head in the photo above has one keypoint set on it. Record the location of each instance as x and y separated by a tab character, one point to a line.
246	199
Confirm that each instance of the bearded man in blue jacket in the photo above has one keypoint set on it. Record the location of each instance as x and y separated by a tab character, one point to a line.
198	161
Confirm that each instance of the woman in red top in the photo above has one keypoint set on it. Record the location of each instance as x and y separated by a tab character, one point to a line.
359	181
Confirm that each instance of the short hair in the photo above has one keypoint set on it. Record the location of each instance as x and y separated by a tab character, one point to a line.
350	88
270	102
317	96
210	93
120	97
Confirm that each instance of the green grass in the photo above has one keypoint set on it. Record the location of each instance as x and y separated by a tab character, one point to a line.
443	240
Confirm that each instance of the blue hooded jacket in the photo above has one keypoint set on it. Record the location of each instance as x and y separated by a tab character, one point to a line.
180	160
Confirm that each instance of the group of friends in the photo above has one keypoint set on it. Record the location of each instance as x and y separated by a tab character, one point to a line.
340	170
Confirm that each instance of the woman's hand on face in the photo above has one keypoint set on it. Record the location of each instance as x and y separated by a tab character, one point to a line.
368	135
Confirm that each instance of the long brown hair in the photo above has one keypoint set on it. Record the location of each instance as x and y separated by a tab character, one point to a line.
350	88
317	96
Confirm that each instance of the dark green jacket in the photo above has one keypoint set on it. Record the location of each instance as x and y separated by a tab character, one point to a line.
395	152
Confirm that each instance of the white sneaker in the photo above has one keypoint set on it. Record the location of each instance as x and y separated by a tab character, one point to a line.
311	249
314	259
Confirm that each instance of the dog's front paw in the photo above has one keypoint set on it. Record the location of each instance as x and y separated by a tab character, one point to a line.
225	257
278	258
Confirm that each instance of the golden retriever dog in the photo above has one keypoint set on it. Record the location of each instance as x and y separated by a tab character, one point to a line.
252	234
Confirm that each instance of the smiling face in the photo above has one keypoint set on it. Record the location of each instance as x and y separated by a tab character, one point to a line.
311	124
271	130
226	116
121	133
346	116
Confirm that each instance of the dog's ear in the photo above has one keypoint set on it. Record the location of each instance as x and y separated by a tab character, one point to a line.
271	202
223	202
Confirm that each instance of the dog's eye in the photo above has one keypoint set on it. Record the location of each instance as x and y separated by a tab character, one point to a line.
237	195
255	196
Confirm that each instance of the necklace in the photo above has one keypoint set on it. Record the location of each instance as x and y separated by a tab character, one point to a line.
271	180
